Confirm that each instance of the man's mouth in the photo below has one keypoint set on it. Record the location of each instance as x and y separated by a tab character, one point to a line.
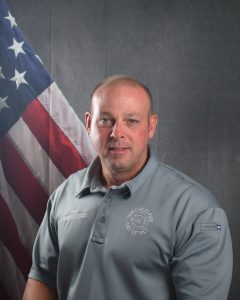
118	150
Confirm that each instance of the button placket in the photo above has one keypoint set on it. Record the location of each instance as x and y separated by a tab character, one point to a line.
102	219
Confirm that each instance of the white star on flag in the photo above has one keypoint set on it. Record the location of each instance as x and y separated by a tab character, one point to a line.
3	103
1	74
19	78
17	47
11	19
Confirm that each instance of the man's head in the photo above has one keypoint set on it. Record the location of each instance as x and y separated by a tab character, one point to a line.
120	124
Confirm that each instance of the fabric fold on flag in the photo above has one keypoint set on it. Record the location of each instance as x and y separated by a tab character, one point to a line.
42	142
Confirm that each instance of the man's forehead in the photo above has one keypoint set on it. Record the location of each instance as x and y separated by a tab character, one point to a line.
120	91
126	113
120	103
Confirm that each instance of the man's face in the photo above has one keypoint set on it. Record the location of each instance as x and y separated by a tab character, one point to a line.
119	127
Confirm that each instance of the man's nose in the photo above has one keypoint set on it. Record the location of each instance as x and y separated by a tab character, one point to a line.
117	130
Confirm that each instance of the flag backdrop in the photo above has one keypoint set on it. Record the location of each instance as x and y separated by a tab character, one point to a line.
42	141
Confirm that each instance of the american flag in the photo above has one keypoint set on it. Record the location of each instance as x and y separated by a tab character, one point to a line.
42	141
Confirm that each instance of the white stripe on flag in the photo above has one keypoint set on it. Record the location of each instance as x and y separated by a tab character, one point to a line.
35	157
65	117
10	276
26	226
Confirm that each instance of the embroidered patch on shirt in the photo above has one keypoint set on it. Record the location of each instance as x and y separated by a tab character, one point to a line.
74	214
138	221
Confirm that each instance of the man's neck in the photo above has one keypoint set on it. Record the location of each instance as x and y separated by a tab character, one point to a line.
109	181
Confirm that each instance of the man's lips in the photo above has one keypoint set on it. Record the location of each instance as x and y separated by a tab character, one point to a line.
118	149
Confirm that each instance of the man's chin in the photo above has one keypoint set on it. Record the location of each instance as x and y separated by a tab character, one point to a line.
118	166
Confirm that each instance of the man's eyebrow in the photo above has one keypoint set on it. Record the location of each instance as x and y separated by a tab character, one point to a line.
105	113
132	114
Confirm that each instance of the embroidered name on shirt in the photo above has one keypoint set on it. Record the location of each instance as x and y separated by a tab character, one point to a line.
74	214
138	221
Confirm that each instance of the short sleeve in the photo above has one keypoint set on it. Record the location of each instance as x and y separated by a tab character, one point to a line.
202	261
45	251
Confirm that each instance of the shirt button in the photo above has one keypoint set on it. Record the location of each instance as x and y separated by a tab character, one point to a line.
107	200
102	220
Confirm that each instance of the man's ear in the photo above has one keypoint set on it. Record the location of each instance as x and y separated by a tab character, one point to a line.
152	125
88	119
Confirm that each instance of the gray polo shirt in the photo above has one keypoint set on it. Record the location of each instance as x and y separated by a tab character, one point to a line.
159	236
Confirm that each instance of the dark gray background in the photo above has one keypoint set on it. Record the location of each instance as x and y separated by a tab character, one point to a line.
187	52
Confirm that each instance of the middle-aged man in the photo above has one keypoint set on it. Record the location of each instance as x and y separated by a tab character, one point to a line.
129	227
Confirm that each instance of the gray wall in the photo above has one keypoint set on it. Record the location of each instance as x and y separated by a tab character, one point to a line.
187	52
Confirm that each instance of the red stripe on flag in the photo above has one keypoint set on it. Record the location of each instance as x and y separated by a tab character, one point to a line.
9	236
22	181
58	146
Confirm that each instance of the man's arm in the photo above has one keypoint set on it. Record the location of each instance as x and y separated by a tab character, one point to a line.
39	291
202	262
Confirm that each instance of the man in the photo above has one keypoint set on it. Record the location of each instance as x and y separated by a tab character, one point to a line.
129	227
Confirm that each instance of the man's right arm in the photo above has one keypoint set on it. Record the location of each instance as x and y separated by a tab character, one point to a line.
39	291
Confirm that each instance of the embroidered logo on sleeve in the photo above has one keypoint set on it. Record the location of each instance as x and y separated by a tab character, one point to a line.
138	221
74	214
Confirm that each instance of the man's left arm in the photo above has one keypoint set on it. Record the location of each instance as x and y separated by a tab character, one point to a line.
202	261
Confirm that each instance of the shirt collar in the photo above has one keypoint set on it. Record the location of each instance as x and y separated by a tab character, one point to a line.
91	182
92	179
147	172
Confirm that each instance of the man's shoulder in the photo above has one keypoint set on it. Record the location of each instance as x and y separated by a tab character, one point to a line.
77	175
173	175
184	188
73	183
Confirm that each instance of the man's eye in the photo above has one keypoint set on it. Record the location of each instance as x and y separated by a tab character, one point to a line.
132	122
105	122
